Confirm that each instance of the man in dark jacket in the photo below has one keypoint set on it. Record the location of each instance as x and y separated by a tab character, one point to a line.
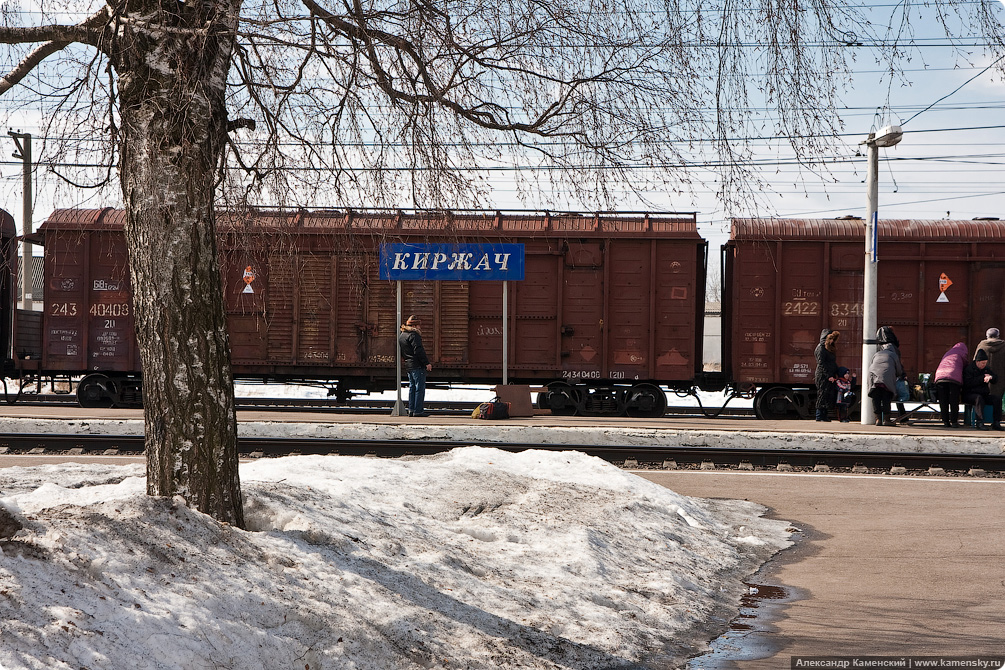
977	381
415	362
994	347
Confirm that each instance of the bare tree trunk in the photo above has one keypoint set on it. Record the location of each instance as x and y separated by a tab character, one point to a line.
174	126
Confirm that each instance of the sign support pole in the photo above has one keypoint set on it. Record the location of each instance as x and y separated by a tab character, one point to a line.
23	142
397	411
505	337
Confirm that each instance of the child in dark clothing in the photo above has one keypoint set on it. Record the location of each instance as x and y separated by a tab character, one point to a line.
845	395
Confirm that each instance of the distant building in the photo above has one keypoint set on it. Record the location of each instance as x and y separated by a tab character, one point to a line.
37	282
712	344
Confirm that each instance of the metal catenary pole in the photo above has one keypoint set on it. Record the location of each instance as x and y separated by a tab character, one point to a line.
397	411
23	142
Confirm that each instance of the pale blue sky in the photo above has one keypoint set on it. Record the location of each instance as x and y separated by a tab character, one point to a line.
950	161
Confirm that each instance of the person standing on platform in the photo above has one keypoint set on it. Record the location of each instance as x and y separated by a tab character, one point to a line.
948	382
416	364
825	375
994	347
884	371
885	335
977	380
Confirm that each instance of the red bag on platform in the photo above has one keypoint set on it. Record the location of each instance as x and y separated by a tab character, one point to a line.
492	410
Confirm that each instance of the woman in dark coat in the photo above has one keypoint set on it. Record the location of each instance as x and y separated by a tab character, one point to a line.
883	374
885	335
826	372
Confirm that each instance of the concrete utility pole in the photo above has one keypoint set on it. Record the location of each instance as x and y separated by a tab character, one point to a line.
886	137
23	142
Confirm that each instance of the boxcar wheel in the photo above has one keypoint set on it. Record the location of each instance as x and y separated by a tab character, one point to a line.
775	403
92	392
646	401
561	398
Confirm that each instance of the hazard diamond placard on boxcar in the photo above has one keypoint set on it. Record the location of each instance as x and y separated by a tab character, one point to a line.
944	283
249	276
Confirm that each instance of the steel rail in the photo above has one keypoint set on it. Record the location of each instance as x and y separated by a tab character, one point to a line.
323	405
626	456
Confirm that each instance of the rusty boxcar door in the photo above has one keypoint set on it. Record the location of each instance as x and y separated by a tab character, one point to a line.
65	302
315	291
110	331
676	268
535	324
629	309
583	303
245	284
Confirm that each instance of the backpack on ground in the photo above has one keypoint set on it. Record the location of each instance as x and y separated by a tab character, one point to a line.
496	409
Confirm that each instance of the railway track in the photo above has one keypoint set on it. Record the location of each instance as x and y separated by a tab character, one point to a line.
356	406
708	458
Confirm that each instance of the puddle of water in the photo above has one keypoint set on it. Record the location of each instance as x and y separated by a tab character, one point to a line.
746	637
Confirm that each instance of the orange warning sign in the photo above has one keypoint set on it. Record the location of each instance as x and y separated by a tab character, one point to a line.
249	276
944	282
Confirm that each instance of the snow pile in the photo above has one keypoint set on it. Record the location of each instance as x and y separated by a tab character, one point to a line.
475	558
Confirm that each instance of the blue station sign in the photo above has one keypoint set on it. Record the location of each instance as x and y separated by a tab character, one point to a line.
451	262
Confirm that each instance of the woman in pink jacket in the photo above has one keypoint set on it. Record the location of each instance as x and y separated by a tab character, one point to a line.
948	382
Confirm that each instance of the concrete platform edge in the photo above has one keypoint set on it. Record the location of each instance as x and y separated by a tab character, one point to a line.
487	433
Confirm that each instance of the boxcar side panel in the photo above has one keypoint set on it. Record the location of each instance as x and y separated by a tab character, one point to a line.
583	292
452	312
64	326
629	310
485	322
678	289
8	285
245	285
804	292
842	310
535	314
110	330
988	299
381	337
352	331
754	289
280	300
944	314
315	310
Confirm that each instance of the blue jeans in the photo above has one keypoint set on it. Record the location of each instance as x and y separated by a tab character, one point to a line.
416	390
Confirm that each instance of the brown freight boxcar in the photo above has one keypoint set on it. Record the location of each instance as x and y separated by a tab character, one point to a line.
8	266
939	282
610	307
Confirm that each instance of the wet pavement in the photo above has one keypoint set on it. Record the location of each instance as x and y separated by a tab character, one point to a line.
886	566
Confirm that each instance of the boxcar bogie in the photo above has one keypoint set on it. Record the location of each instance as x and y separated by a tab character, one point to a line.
644	399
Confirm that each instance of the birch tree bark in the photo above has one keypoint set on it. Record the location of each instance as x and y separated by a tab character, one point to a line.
171	61
172	76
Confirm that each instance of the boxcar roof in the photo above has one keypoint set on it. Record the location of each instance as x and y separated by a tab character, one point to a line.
419	223
854	229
